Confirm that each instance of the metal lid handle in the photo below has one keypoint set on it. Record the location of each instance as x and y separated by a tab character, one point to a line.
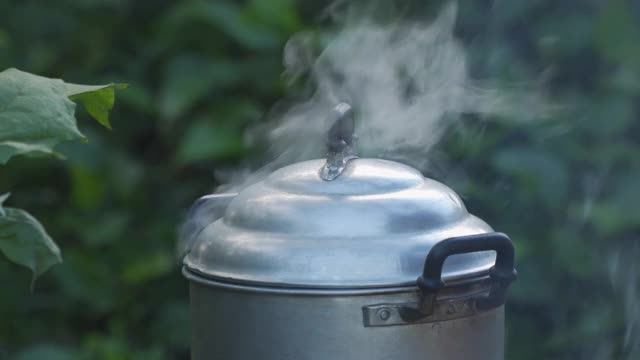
340	142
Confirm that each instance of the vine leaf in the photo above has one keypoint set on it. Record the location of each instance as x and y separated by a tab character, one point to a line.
97	99
36	112
24	241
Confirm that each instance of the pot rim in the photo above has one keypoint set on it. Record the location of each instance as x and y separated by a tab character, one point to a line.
279	288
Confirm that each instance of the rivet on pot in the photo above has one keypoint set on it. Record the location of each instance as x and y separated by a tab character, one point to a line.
384	314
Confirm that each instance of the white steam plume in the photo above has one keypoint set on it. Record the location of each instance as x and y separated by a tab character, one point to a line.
407	82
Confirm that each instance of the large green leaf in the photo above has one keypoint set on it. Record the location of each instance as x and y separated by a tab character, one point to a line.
24	241
36	112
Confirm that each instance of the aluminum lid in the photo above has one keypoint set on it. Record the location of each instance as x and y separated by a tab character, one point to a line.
372	226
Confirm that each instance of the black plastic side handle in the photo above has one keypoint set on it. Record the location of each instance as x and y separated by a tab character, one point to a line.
502	273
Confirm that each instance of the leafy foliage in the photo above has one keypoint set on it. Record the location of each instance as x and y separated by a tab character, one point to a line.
24	241
35	115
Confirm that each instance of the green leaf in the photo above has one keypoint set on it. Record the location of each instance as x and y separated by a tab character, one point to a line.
97	99
35	114
24	241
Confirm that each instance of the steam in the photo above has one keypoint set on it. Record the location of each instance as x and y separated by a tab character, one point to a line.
407	83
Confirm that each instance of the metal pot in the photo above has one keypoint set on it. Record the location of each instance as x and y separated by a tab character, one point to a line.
346	259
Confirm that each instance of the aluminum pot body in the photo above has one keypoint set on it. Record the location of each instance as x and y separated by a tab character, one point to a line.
240	322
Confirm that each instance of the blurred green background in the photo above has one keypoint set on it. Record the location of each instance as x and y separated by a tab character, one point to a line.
567	189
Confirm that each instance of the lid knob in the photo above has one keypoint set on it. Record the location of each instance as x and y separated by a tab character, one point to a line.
340	142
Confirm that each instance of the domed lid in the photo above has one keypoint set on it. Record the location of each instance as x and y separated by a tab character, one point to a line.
372	226
342	222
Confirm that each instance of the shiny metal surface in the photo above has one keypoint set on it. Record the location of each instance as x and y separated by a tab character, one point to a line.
242	324
370	227
203	212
